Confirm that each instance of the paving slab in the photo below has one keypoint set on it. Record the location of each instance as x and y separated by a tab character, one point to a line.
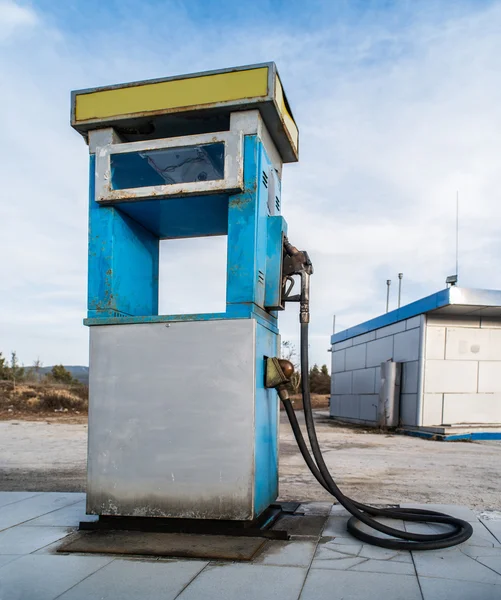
68	516
494	526
296	553
25	540
246	582
7	558
136	579
445	589
12	497
350	585
361	558
453	564
35	506
44	577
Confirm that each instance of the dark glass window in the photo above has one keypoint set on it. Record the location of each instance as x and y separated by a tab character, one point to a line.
185	164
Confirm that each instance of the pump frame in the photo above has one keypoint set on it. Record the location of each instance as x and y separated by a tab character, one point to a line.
233	167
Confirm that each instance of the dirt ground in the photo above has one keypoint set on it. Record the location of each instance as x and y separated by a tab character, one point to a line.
50	455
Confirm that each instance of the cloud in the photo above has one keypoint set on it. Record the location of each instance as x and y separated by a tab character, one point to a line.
397	110
15	19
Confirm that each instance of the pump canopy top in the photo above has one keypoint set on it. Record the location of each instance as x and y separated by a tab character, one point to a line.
186	103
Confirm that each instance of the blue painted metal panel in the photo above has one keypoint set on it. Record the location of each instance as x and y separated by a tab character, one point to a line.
242	226
265	426
123	262
277	228
263	182
195	216
123	246
419	307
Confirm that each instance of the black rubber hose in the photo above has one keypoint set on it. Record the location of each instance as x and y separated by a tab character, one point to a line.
461	530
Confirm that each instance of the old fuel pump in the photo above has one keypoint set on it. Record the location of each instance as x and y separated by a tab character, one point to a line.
180	421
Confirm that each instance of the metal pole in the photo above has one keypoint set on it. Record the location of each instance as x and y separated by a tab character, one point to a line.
388	283
400	276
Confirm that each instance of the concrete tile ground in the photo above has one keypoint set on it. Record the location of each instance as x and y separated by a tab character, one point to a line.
311	566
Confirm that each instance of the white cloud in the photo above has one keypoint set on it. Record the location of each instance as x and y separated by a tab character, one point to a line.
14	19
393	121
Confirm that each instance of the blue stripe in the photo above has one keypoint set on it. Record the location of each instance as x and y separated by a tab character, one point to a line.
414	309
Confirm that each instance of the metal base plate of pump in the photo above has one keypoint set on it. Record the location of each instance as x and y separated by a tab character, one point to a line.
190	538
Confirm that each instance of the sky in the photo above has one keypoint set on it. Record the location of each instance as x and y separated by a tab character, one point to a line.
398	106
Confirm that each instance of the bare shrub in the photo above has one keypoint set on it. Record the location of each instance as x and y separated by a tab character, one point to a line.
42	397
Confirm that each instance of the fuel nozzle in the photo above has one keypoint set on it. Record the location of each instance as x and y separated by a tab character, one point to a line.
278	374
297	262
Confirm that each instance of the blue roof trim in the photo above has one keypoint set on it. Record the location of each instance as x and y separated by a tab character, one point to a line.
419	307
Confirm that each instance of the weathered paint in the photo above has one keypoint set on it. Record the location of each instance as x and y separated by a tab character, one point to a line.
247	231
207	95
285	115
277	229
237	311
172	95
265	426
196	216
123	247
123	262
233	167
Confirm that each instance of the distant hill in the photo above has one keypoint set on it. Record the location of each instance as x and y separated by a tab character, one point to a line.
78	372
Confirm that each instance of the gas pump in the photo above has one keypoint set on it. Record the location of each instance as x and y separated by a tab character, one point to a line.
183	409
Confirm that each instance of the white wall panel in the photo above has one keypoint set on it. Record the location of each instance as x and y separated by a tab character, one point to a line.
342	345
390	329
472	408
473	344
368	407
349	406
489	376
378	351
365	337
414	322
442	376
342	383
408	408
435	342
364	381
432	409
334	405
377	379
355	358
338	361
410	377
406	346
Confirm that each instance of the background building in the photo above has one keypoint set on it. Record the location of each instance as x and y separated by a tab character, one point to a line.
449	345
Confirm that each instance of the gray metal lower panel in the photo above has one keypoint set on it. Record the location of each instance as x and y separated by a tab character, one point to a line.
171	420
